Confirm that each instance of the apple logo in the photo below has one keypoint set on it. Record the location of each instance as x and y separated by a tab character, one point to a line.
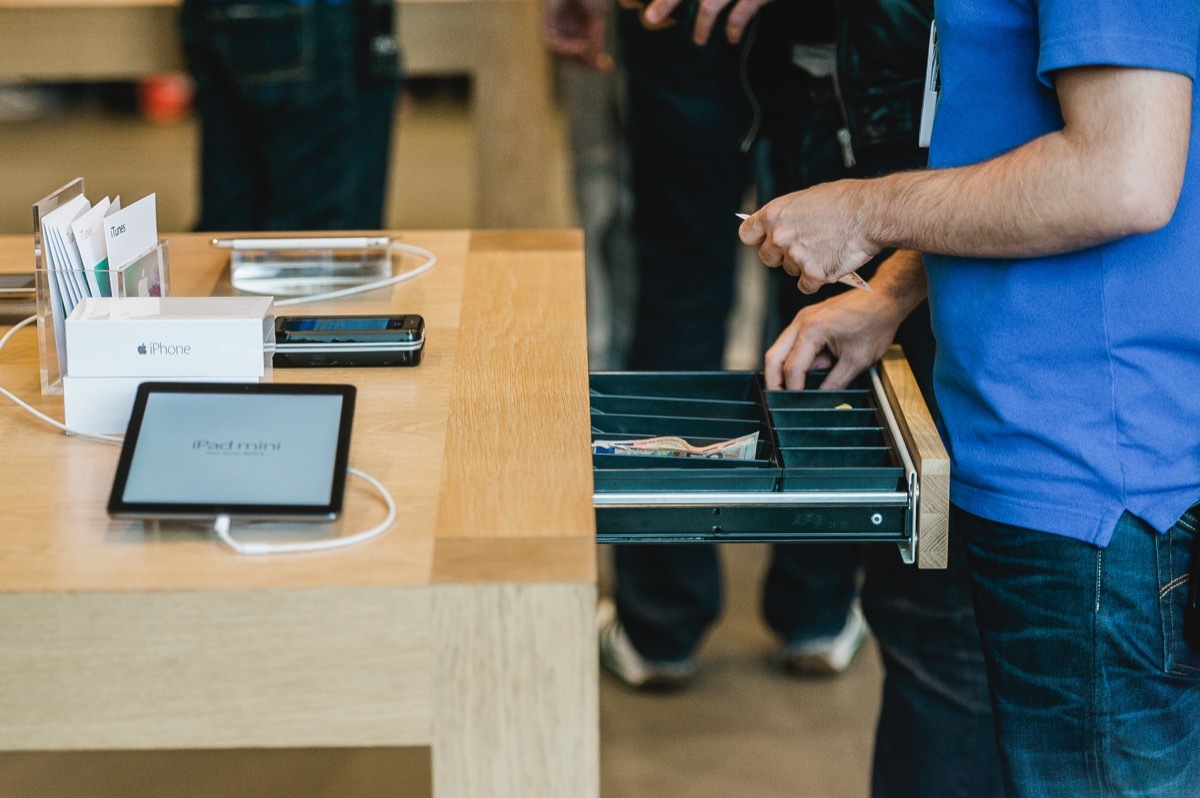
141	349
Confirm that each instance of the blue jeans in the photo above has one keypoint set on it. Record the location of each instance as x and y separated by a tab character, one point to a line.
1095	690
935	737
293	134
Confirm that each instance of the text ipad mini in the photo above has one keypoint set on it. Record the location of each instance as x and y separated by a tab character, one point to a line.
249	450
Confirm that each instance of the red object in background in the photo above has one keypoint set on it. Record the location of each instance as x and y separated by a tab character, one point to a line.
165	98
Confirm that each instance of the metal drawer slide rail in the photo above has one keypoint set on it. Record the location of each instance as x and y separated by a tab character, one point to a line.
908	549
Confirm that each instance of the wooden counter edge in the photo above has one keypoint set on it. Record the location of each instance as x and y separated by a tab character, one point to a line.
928	454
514	560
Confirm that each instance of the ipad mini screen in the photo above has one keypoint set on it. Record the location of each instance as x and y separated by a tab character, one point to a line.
250	450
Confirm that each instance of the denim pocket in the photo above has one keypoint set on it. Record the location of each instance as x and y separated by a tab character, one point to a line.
266	48
1176	550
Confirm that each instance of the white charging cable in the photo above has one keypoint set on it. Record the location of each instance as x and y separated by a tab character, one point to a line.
223	522
39	414
393	246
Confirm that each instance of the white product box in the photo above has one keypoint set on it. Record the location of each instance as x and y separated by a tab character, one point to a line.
150	337
102	405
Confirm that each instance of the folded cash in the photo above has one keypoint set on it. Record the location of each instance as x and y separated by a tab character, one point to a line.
743	448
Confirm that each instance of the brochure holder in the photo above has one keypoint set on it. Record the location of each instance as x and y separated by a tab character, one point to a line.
146	276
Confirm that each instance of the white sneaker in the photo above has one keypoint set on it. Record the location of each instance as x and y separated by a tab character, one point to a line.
828	655
621	659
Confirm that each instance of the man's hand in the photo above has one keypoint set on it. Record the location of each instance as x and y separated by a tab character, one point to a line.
816	235
848	333
574	29
706	16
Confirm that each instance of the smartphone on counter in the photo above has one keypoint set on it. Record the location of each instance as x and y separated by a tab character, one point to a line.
17	294
16	285
327	341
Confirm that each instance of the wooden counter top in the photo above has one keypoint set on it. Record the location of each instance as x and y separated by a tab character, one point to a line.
484	446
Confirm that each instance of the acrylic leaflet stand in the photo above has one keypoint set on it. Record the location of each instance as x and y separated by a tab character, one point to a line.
146	276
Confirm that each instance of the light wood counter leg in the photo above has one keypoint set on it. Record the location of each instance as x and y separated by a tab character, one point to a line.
514	117
516	691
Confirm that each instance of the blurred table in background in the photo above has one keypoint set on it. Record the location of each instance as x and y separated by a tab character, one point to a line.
496	43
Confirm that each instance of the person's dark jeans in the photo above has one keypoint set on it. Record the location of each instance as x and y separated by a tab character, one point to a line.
935	737
667	596
688	115
687	118
1095	690
292	135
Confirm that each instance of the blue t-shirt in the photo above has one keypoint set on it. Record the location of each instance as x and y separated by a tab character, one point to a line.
1069	385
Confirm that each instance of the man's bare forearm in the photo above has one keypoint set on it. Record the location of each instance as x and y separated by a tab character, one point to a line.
1114	170
901	279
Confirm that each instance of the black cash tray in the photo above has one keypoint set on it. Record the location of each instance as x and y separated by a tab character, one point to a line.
826	467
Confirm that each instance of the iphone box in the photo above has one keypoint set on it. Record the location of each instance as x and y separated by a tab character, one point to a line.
170	337
115	344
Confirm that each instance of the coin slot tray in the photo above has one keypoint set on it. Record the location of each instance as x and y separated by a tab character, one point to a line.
702	408
808	439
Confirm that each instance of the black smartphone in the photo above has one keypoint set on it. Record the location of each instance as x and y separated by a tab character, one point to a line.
19	285
316	341
16	297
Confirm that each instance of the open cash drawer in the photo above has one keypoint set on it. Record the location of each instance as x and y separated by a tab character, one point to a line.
858	465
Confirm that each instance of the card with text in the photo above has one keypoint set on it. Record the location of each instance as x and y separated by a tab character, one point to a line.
130	232
89	237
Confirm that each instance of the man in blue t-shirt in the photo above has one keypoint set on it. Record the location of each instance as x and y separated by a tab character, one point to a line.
1061	230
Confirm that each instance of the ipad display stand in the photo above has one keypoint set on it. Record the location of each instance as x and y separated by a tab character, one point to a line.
304	269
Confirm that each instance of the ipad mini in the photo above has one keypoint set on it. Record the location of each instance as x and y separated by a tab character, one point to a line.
249	450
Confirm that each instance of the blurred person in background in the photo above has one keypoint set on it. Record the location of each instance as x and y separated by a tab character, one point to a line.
592	91
296	103
686	189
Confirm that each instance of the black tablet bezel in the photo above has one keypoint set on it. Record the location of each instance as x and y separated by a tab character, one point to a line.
119	508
